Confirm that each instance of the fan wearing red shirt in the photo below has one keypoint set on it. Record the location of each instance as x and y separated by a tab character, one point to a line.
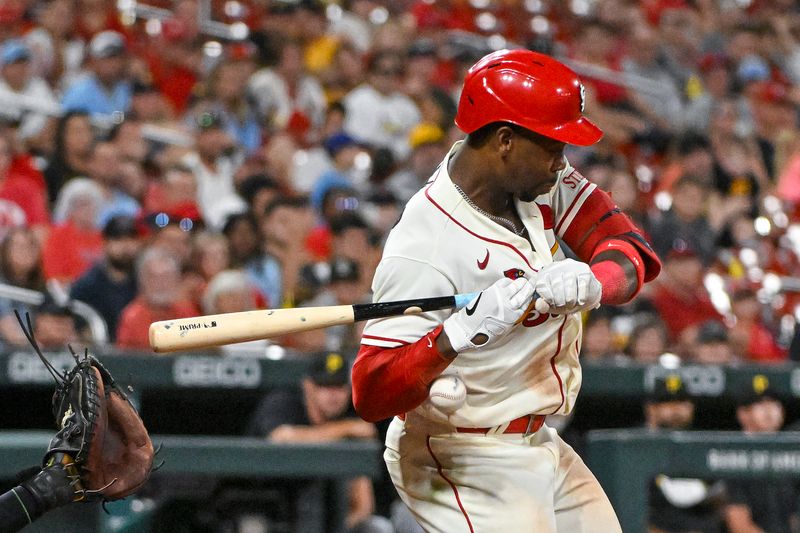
159	298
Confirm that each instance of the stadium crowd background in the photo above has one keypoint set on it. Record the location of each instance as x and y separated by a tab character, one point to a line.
255	162
156	170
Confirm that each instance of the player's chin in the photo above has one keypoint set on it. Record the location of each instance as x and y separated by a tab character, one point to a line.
536	191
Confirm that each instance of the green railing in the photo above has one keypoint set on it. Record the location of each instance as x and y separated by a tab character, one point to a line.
204	457
197	371
624	461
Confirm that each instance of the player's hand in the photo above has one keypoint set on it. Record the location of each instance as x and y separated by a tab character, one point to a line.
489	316
567	286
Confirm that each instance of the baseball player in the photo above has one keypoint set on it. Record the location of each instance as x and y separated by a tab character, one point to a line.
491	219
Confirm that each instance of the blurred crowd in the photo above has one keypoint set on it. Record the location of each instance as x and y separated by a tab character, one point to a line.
191	157
231	155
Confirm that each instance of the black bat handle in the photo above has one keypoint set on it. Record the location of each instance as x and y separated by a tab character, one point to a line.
384	309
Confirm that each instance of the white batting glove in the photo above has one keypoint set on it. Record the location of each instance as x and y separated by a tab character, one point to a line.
492	314
567	286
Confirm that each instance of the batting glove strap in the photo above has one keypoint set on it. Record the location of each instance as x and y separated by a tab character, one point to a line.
567	286
493	314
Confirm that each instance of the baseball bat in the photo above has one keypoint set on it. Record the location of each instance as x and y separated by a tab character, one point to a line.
229	328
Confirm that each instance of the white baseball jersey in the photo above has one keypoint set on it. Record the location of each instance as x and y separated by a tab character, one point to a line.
443	246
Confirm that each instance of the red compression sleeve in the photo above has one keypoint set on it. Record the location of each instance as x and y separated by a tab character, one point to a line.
616	285
392	381
618	288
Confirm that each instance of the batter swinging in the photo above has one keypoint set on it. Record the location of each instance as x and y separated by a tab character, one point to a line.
490	219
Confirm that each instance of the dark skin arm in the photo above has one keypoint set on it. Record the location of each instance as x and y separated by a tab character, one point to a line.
620	259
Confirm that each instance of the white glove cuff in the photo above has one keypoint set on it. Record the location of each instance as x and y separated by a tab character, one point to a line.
457	336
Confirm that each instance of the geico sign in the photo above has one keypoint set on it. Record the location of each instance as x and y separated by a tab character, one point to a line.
700	380
216	372
24	367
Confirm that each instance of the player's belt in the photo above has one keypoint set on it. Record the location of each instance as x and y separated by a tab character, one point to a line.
525	424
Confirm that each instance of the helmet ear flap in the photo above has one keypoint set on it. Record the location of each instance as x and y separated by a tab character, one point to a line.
528	89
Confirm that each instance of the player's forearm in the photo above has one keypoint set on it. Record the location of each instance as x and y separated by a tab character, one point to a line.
617	276
327	432
392	381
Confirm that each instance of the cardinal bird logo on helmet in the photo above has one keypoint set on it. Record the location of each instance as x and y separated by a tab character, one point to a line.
514	273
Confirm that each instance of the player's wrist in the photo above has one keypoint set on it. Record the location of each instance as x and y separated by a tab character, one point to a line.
456	336
445	347
50	488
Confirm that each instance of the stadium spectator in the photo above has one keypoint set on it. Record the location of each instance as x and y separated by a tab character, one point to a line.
377	112
106	88
129	141
285	229
241	230
738	167
214	163
174	232
692	157
74	243
229	291
715	79
20	266
160	298
54	326
209	257
224	93
110	284
647	341
23	199
57	52
342	150
16	77
679	297
599	343
428	148
751	337
756	504
286	96
352	238
623	188
258	190
149	105
686	221
70	158
337	201
662	104
345	73
773	112
175	59
679	505
343	286
321	411
105	169
175	191
712	345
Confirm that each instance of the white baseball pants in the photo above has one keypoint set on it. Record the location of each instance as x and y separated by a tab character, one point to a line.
472	483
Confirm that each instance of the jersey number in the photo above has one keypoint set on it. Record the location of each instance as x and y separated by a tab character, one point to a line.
535	318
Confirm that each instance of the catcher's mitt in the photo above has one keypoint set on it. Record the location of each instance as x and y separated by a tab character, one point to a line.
102	442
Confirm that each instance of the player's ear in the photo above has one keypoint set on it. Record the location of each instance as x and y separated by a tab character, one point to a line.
504	137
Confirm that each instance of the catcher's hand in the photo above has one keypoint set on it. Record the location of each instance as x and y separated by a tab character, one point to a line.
102	443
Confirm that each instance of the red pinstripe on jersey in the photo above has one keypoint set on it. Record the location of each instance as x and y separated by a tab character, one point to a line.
487	239
449	482
553	365
566	215
385	339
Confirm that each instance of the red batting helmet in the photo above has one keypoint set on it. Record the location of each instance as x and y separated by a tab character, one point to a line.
528	89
